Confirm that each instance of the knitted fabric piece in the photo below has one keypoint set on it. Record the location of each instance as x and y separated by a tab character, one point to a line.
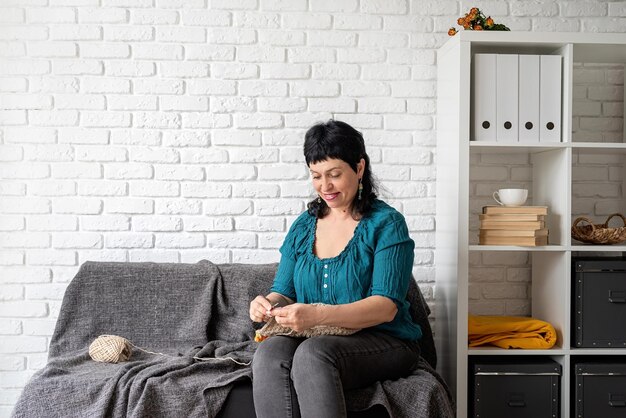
274	328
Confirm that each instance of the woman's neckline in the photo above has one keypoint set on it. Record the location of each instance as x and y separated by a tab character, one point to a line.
313	235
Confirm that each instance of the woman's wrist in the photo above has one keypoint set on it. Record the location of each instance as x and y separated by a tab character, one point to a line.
323	314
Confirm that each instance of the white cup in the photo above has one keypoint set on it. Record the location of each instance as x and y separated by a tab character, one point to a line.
510	197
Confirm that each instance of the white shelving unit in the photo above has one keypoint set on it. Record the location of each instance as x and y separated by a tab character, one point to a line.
551	167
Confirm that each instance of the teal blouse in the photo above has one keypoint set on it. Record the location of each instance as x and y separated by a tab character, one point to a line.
376	261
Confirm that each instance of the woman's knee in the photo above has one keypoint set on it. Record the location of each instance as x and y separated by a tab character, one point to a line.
274	352
313	355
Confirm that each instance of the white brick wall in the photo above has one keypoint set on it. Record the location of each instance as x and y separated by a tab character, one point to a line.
162	130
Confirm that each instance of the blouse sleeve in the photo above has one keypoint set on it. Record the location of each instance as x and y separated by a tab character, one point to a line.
283	281
393	261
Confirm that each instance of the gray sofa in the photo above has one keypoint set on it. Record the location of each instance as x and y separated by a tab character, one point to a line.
182	311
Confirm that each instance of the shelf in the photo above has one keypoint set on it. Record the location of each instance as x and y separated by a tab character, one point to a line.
496	351
581	248
589	147
558	351
499	147
479	247
598	248
600	147
598	351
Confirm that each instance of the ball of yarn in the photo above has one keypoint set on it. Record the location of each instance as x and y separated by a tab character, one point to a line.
110	349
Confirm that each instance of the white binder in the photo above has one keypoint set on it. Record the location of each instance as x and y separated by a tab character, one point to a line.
528	127
550	98
507	97
484	101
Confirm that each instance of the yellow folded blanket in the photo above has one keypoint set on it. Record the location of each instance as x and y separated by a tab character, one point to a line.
510	332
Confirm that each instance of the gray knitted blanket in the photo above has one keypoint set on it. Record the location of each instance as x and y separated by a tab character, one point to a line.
182	310
164	308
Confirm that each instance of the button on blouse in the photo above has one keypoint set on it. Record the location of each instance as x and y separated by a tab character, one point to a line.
377	260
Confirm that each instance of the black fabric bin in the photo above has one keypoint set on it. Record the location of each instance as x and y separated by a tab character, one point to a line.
600	390
599	306
522	389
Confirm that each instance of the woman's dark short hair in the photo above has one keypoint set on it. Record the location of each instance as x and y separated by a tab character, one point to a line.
338	140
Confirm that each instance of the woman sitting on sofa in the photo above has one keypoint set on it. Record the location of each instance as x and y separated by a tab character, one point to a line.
345	262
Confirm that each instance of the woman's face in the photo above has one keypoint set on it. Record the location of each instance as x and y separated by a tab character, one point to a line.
336	182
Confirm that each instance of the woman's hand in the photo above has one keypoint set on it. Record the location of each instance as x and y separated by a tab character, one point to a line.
260	308
298	316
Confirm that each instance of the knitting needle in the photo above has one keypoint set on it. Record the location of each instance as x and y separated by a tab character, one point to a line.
270	309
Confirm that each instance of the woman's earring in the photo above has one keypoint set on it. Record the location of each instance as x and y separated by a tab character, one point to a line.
319	199
360	189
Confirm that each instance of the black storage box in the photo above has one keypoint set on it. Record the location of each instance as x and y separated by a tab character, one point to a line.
516	389
599	315
600	390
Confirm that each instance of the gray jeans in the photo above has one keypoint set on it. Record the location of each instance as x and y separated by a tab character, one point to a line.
296	377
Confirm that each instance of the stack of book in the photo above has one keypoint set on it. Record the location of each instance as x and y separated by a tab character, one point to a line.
513	225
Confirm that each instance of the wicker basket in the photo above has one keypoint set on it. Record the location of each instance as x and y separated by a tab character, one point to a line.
599	233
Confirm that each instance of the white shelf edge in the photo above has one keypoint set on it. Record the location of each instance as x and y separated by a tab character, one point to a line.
579	248
488	146
474	143
598	144
598	147
598	248
597	351
496	351
539	38
478	247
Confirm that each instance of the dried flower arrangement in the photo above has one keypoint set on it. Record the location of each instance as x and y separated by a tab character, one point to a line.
476	20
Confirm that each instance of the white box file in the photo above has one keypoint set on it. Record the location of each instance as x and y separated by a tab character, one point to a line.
507	97
528	127
550	98
484	101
